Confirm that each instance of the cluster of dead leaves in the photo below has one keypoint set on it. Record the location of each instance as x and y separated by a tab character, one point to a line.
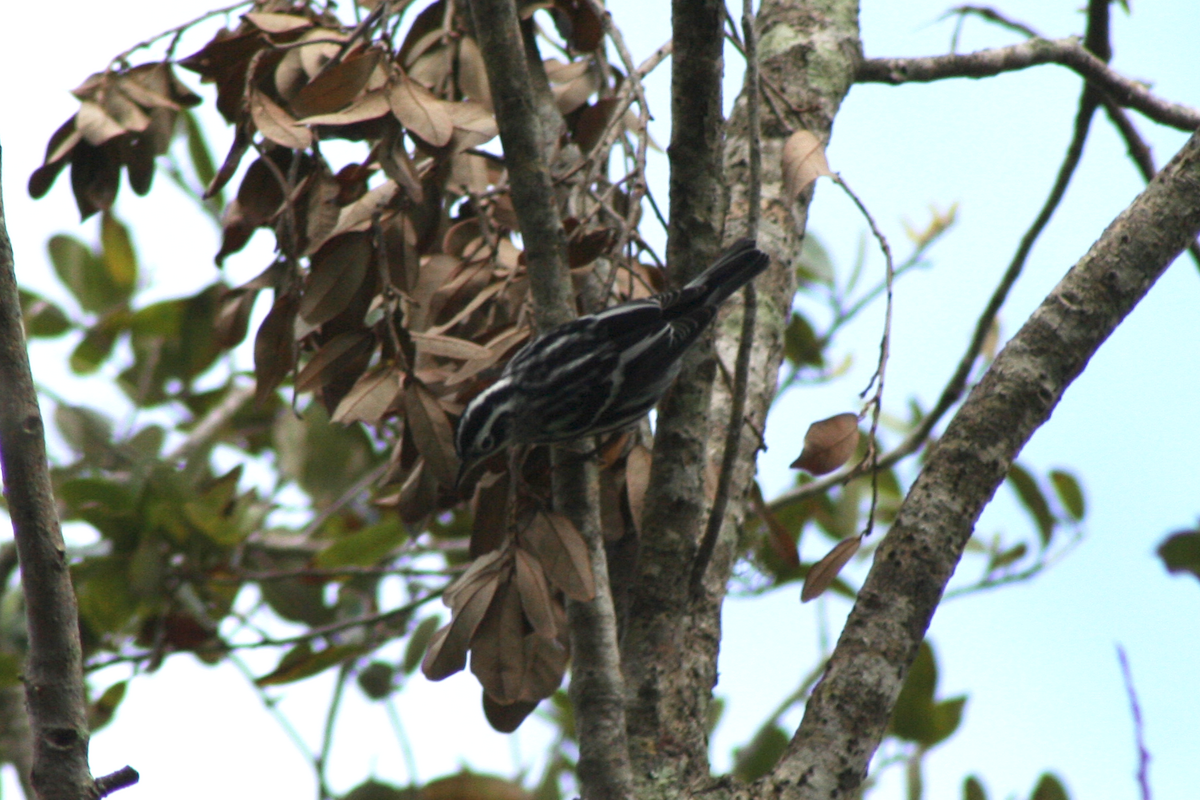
398	291
124	120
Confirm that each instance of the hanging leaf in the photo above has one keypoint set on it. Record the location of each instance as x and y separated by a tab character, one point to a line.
803	162
825	571
828	444
563	554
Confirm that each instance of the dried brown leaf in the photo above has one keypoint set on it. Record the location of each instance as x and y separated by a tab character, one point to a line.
274	347
276	124
563	553
241	143
332	358
535	594
357	216
573	94
803	161
447	346
472	75
372	395
825	571
95	125
500	344
431	431
95	176
398	165
481	568
489	526
497	648
447	653
545	664
336	87
338	269
637	480
268	22
778	537
370	105
505	718
420	112
321	45
828	444
474	124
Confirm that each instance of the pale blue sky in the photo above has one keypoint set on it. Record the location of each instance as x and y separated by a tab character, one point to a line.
1037	660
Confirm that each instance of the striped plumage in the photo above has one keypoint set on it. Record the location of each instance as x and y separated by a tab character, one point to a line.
603	371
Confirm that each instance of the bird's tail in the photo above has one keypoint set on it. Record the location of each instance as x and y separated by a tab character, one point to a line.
738	265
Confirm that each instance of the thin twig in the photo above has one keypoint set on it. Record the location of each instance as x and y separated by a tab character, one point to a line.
1143	773
741	369
335	703
212	422
124	777
877	380
958	381
178	29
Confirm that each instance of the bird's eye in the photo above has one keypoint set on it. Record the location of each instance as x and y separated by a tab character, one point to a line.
487	444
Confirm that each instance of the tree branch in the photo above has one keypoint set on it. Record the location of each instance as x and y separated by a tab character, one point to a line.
1067	52
669	654
848	713
603	769
54	671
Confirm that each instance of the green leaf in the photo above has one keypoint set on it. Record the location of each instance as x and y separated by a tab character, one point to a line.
762	753
374	790
1049	788
85	274
814	263
800	344
1180	552
1009	556
298	600
120	260
101	712
87	432
301	662
42	318
365	547
946	717
375	680
106	602
973	789
917	718
1030	495
10	670
1069	492
106	505
324	459
418	643
201	156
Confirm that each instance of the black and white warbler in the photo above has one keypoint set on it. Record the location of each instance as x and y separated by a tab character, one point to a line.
600	372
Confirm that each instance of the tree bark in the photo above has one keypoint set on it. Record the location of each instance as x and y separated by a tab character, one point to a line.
597	685
54	671
847	715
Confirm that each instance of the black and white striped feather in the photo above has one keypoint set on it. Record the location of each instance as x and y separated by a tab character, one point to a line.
603	371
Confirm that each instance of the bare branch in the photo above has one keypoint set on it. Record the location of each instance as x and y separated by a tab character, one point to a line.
500	41
1067	52
53	674
741	368
604	769
829	754
1143	773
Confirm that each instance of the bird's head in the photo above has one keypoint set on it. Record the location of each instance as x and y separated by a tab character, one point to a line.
485	426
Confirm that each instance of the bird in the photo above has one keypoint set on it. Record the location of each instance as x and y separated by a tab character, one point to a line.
600	372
